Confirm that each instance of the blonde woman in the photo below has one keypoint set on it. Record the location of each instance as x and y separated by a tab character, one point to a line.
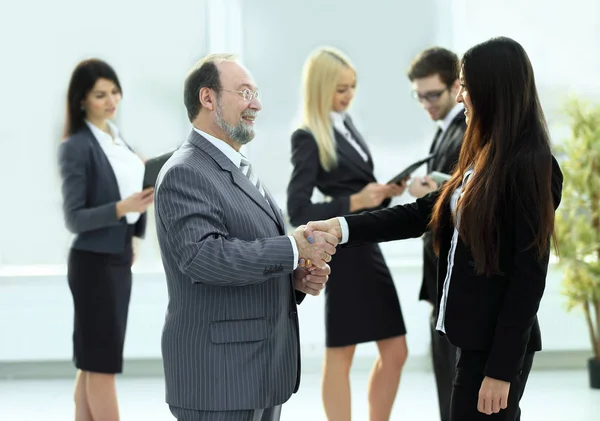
362	305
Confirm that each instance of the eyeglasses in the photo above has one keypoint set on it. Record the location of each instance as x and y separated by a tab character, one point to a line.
431	97
247	94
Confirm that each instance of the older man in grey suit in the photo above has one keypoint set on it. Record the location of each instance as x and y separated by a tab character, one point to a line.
230	343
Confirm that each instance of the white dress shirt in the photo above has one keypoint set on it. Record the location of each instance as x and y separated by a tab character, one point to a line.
127	166
337	120
236	157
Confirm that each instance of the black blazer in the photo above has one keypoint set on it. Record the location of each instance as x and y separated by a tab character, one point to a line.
349	177
90	195
446	150
496	314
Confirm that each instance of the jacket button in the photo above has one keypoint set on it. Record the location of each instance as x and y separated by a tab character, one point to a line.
293	314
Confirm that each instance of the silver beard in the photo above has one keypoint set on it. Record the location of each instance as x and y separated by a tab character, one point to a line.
240	133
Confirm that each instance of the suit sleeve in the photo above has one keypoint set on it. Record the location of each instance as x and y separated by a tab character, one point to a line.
305	159
526	286
190	209
78	217
396	223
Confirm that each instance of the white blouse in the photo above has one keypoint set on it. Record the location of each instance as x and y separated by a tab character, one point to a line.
127	166
456	195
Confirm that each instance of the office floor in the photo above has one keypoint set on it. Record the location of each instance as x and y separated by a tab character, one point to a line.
551	395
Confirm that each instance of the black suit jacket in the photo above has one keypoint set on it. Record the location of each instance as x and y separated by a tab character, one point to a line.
90	194
350	176
498	314
446	150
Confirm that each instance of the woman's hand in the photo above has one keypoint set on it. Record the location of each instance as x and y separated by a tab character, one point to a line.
493	396
373	194
137	202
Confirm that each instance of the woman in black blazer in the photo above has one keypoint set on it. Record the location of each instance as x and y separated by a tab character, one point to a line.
361	303
493	223
104	206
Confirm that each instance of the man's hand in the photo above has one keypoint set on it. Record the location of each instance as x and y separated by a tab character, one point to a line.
316	251
311	281
493	396
421	186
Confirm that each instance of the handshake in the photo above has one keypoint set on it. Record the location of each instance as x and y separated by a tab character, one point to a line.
317	242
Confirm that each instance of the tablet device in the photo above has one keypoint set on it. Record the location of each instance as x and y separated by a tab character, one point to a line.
405	173
153	167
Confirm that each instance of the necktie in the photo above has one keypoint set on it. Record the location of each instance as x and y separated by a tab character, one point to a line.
434	150
246	168
436	141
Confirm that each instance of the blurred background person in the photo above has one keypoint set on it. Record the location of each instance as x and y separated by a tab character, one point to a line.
433	74
104	207
362	305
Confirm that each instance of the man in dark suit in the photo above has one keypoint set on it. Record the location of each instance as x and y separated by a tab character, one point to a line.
230	343
434	77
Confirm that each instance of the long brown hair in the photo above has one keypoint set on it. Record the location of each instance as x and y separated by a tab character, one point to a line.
508	146
83	79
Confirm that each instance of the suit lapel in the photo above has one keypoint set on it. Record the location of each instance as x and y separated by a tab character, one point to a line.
346	150
436	141
113	185
276	210
358	137
432	163
250	189
238	178
442	143
448	140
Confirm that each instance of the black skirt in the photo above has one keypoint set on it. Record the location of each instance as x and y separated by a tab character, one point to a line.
361	303
101	287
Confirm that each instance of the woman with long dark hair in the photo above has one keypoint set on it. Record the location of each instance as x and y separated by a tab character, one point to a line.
493	223
104	206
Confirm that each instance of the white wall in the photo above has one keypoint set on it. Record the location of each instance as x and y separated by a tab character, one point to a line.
380	37
36	318
153	47
561	39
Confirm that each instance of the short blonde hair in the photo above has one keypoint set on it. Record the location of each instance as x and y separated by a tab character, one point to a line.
322	72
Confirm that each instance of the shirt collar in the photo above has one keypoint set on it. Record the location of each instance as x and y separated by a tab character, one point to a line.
445	122
233	155
338	118
102	136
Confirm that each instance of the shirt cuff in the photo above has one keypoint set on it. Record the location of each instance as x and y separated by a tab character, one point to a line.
295	248
345	229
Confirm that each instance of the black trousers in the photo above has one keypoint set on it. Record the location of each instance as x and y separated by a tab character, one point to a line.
443	354
467	382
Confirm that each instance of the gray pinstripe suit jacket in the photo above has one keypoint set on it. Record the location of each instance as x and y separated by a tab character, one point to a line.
230	339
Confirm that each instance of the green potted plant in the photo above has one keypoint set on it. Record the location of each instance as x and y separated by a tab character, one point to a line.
578	221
